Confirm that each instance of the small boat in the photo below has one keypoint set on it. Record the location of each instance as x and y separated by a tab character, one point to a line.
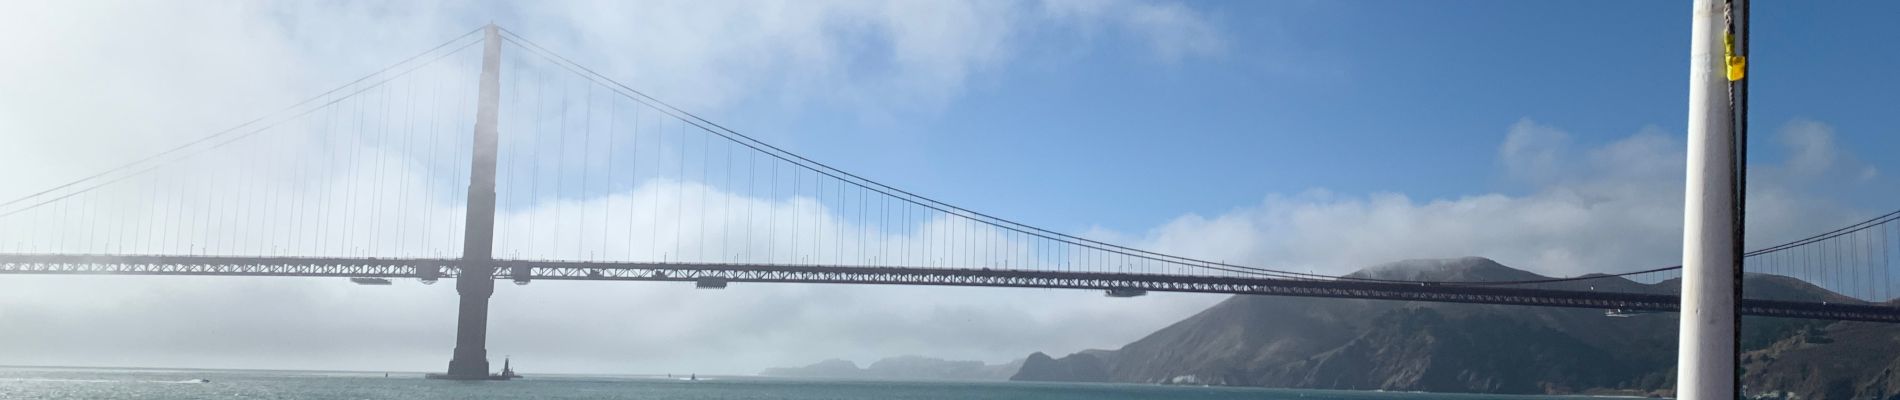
507	372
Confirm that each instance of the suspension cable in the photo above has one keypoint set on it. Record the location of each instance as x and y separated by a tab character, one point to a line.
279	115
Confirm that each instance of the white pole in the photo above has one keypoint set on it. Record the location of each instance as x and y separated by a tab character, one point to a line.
1705	358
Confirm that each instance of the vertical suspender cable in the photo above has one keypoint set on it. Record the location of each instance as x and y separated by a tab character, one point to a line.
837	228
513	233
606	204
659	172
633	178
634	182
771	218
751	187
560	172
679	196
377	205
705	181
534	176
725	211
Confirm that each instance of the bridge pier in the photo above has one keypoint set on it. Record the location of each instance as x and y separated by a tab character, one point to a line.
471	327
477	282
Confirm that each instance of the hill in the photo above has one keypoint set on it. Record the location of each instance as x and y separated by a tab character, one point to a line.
1444	347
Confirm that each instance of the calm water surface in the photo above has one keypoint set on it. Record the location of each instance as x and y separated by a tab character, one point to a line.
90	384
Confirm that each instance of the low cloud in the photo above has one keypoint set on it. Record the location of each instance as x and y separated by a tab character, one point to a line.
94	97
103	89
1609	208
1615	207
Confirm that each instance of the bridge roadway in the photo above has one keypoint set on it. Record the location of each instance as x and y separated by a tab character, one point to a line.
719	274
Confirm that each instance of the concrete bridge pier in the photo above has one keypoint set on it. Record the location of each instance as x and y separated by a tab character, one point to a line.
471	328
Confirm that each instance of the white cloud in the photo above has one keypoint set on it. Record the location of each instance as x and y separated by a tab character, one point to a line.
866	56
1813	155
91	85
103	85
557	325
1176	32
1613	208
1532	151
1172	31
1810	145
124	78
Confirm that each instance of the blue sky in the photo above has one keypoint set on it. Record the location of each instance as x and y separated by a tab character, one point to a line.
1354	97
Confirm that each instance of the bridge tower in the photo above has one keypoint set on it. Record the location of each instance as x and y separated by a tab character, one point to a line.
476	282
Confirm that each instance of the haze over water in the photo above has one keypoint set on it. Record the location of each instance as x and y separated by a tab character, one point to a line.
108	384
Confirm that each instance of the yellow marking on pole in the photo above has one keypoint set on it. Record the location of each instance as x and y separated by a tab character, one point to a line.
1737	65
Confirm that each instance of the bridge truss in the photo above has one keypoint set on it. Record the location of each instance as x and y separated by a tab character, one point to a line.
718	275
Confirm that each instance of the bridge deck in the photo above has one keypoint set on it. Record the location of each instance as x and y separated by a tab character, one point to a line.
695	272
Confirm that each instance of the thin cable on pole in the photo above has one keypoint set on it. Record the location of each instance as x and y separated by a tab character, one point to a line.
1738	103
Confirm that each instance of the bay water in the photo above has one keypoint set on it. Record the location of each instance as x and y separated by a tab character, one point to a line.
108	384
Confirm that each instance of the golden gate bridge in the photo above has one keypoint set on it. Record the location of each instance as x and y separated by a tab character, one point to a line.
570	175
